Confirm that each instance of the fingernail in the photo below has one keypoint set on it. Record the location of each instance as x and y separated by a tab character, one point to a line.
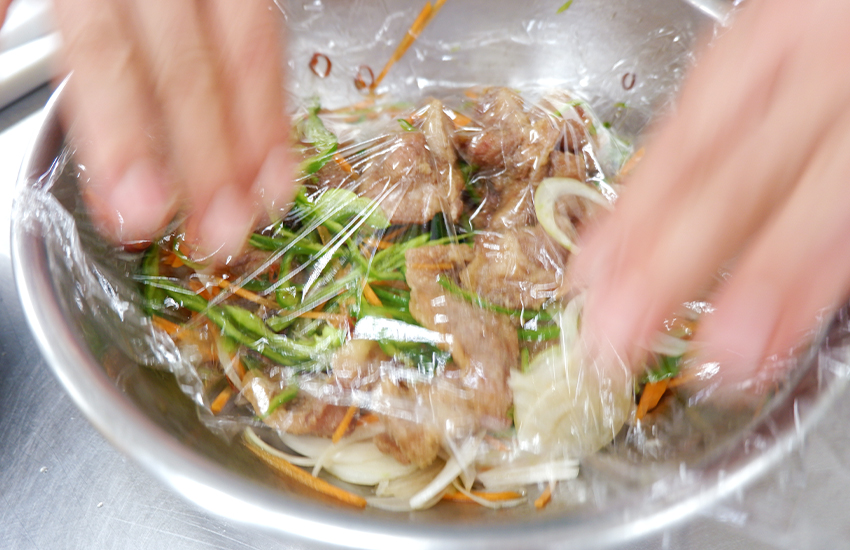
225	224
275	182
140	203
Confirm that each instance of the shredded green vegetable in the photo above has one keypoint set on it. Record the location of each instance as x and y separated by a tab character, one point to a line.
525	314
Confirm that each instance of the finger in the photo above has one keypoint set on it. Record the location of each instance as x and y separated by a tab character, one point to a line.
113	121
671	260
795	274
718	105
248	40
187	83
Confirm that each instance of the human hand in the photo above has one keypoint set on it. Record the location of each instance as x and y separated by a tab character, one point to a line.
177	105
752	169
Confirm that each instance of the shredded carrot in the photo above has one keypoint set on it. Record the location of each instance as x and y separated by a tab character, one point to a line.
175	261
684	377
380	245
443	266
471	94
393	234
170	328
240	368
333	317
340	160
297	474
368	418
370	295
652	393
425	16
200	289
221	400
492	497
545	497
344	423
461	120
401	285
631	163
247	294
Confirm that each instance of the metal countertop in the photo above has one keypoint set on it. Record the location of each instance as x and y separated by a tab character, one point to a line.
63	486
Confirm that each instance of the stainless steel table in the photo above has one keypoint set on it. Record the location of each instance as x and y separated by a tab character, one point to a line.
63	486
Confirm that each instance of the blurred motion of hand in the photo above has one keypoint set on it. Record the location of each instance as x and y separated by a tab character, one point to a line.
752	173
177	105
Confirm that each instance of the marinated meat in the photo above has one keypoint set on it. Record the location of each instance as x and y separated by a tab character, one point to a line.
411	441
512	142
417	176
484	344
306	414
517	268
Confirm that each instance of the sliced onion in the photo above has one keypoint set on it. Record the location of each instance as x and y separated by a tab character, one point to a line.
520	475
664	344
367	472
455	465
297	460
548	193
492	504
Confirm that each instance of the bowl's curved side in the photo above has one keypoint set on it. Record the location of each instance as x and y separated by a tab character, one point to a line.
210	485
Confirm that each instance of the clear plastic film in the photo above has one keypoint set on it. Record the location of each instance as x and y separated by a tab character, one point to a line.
406	324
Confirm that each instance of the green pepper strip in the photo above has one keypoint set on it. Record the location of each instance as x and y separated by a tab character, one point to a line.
546	332
288	394
150	268
386	312
228	326
525	314
668	367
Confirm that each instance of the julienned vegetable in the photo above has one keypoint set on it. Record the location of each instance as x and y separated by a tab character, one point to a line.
407	325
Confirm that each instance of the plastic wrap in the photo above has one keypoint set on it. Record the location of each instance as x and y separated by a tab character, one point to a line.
407	324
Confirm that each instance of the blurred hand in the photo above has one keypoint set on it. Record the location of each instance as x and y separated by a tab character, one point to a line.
752	172
177	105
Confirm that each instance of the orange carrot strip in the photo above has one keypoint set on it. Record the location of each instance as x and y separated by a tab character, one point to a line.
471	94
631	163
340	160
492	497
344	423
176	261
684	377
240	368
170	328
370	295
544	497
221	400
368	418
461	120
247	294
295	473
401	285
652	393
393	234
434	267
200	289
412	34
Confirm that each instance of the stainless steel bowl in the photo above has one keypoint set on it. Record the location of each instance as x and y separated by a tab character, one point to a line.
144	413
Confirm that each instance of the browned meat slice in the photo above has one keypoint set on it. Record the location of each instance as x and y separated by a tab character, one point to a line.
409	440
517	268
305	415
415	175
510	140
567	165
484	344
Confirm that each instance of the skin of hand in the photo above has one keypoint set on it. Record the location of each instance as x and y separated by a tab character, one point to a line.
177	106
750	173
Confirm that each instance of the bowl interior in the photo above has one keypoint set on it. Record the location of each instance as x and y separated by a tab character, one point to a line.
627	58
